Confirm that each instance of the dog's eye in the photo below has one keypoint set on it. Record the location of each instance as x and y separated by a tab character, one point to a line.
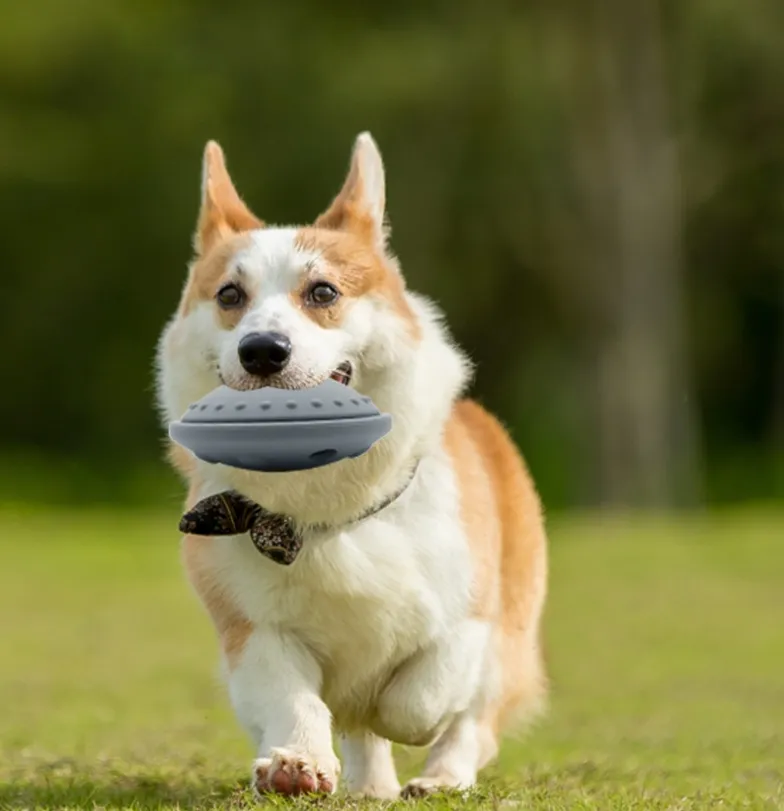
322	294
230	296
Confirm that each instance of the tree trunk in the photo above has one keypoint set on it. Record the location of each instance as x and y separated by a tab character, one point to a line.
647	434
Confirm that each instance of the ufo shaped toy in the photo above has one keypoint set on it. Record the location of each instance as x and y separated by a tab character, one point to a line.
276	430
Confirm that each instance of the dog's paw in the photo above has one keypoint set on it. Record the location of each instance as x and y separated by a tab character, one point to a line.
289	772
424	786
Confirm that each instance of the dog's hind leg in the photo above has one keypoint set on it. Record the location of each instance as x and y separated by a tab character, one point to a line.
368	766
471	740
455	758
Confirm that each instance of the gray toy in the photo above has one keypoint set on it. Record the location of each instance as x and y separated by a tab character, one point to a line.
278	430
272	430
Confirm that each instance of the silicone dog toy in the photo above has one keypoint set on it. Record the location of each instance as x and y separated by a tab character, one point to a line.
277	430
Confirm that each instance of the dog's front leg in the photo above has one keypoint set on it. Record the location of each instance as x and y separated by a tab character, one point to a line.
369	769
274	688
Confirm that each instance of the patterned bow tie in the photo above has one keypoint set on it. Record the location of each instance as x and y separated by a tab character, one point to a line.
273	534
230	513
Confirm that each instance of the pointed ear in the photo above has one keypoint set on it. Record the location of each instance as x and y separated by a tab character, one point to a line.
360	205
222	211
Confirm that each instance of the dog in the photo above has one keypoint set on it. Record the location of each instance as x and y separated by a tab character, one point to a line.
412	614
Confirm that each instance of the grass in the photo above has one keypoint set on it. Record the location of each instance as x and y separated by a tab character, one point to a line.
665	641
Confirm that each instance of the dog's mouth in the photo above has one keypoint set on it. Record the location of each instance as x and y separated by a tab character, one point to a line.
343	373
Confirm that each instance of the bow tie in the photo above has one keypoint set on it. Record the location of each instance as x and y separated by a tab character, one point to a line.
273	534
229	513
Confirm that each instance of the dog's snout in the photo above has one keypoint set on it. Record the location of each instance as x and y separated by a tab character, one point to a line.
264	353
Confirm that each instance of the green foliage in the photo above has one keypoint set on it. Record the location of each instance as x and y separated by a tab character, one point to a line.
666	693
106	107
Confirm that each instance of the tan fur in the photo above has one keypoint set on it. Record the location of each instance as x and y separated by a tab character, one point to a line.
222	228
209	272
504	522
223	212
355	269
478	511
232	626
348	212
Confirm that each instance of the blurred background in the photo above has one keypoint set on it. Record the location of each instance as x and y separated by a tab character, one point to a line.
592	190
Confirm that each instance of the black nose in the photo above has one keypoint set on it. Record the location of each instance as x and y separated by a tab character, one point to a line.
264	353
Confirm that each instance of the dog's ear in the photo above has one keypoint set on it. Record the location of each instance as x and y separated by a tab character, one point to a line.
360	205
223	212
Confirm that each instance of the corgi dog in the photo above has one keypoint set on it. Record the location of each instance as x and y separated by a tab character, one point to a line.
412	612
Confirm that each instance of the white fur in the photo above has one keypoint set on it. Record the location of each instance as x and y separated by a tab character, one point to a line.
368	765
369	630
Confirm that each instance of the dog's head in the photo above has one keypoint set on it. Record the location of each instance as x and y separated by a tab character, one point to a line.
290	307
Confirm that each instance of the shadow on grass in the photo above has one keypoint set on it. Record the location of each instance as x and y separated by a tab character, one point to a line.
141	795
104	791
82	789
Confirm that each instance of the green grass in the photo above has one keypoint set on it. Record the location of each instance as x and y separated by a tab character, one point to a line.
665	642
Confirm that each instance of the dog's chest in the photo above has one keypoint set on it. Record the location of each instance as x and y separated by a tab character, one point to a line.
362	601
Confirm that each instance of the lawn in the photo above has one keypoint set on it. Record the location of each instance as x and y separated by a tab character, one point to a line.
665	642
